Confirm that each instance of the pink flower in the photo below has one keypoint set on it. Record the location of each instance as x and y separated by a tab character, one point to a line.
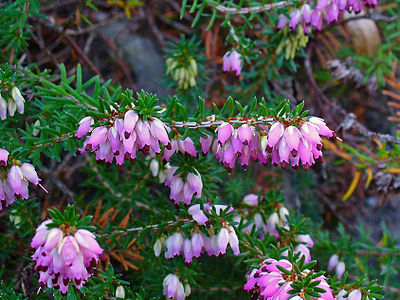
224	132
15	179
333	261
130	120
197	243
62	258
206	143
3	157
184	191
159	130
3	108
306	239
29	172
84	127
98	136
245	133
355	295
174	289
251	199
232	62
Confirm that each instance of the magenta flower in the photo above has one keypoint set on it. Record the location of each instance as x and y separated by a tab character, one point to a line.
355	295
3	157
251	199
130	120
232	62
339	266
174	289
206	143
84	127
3	108
122	138
62	257
224	132
29	173
184	191
269	282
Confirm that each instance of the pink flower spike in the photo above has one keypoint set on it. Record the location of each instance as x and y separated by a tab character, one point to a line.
224	132
84	127
3	157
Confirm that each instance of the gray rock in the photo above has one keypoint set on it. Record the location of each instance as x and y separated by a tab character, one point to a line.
141	53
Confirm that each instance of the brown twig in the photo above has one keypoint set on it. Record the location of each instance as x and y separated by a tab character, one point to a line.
349	120
82	55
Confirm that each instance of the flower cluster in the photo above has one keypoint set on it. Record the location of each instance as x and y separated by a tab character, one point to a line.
183	191
15	184
123	138
275	220
183	146
183	73
339	266
284	144
173	288
330	10
232	62
270	282
213	244
64	255
14	103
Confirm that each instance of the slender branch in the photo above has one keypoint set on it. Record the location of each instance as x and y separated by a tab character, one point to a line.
207	124
58	139
153	226
247	10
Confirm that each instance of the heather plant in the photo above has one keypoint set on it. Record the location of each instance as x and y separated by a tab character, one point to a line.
244	177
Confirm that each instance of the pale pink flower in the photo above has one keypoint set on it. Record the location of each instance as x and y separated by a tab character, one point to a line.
232	62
